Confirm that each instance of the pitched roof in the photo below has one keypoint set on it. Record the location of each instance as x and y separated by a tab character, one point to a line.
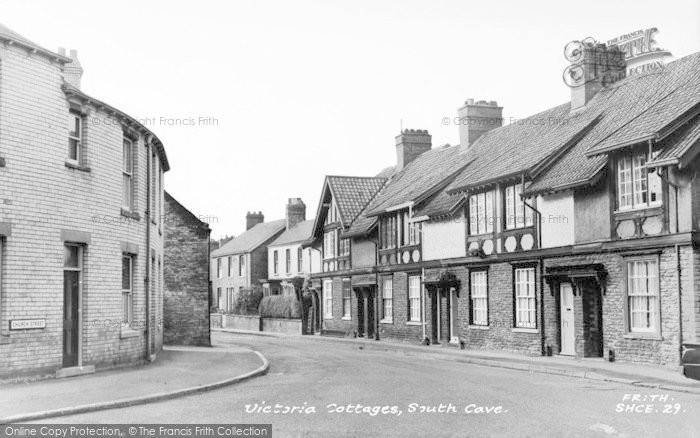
7	34
187	216
561	149
352	194
252	238
681	146
421	178
625	111
298	233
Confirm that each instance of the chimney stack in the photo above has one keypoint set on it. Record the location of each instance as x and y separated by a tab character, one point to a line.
410	144
72	71
296	212
475	119
252	219
594	65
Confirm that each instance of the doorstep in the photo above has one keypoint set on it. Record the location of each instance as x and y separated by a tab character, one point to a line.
75	371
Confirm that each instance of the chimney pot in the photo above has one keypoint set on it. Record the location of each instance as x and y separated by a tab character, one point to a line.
252	219
410	144
73	71
475	119
598	66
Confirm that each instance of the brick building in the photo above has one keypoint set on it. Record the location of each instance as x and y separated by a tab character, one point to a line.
573	231
242	262
81	233
186	273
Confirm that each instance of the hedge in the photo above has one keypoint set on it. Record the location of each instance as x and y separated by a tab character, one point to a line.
280	306
247	301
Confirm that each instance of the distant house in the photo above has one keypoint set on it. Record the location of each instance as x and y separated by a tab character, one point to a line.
242	262
186	272
286	258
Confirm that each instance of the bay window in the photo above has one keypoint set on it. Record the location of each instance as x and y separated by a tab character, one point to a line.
481	213
643	296
636	186
275	262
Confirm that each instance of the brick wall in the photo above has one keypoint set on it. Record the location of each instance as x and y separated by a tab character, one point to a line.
40	196
399	329
338	322
186	261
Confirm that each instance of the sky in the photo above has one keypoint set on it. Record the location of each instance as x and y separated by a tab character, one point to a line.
256	101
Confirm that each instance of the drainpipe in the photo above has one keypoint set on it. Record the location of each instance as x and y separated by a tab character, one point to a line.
422	302
209	289
147	277
680	306
541	263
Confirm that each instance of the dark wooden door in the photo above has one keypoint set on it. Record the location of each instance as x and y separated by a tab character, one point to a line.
70	318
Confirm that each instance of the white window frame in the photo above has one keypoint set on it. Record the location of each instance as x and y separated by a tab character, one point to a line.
525	298
128	294
275	262
518	215
329	244
229	263
479	297
241	265
219	270
481	213
414	233
128	174
300	259
643	296
414	298
634	182
387	300
347	300
77	138
288	260
327	299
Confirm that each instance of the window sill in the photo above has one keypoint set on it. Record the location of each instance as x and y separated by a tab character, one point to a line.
130	214
643	336
128	332
386	321
632	213
482	327
346	318
76	166
414	323
524	330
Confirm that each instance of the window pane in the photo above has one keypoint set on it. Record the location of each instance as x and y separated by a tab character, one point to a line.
71	256
489	212
126	273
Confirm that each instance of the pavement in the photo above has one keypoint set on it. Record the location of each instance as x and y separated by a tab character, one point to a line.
177	372
644	376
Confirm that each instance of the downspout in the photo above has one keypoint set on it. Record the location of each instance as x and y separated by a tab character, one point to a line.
541	263
422	301
147	277
680	306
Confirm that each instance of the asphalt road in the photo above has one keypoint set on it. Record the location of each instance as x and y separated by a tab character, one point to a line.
480	401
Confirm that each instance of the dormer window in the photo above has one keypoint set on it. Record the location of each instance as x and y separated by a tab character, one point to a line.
636	187
387	232
518	215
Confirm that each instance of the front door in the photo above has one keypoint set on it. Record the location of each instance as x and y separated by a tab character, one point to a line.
568	334
71	288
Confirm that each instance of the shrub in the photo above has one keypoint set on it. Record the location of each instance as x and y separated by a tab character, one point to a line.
247	301
280	306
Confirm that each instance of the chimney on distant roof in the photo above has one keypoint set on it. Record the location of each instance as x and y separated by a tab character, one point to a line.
410	144
475	119
253	218
296	212
593	66
72	71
